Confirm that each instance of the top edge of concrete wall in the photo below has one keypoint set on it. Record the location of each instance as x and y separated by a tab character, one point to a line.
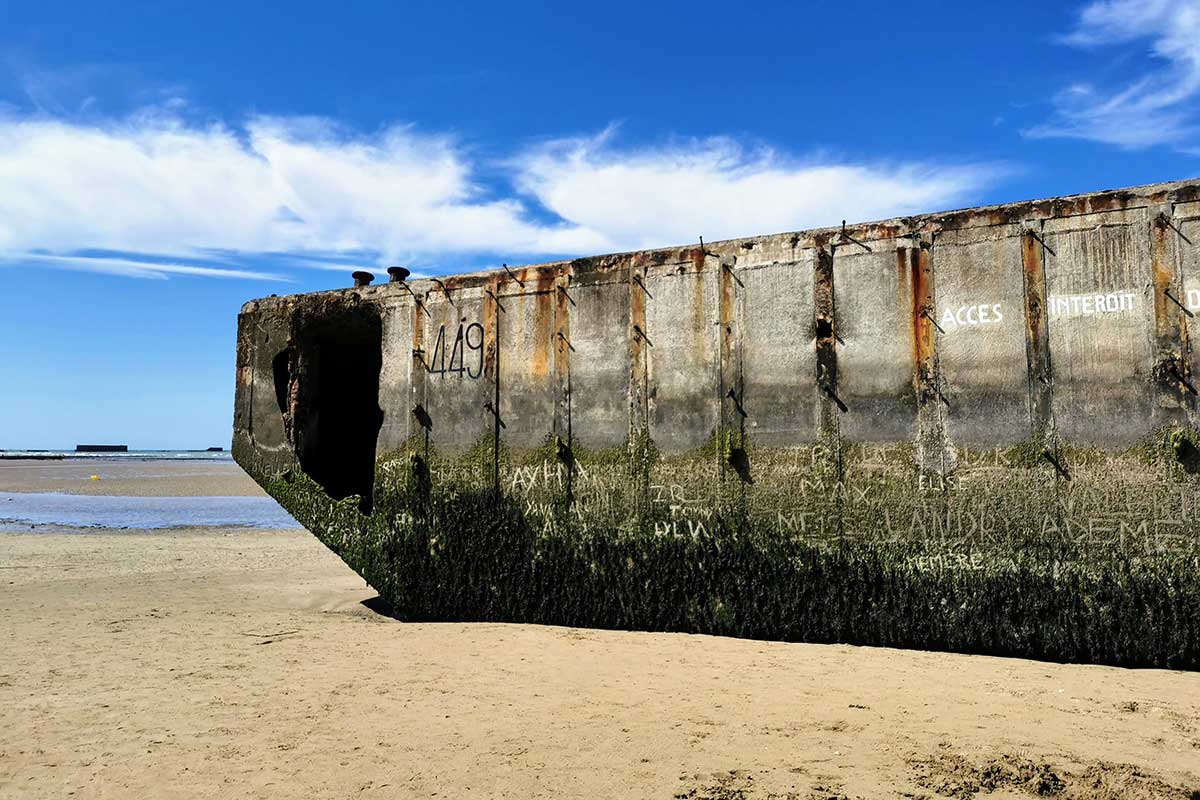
1181	191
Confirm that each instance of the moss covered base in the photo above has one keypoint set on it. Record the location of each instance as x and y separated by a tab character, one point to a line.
450	550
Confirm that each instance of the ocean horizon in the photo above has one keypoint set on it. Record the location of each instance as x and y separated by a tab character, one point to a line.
58	454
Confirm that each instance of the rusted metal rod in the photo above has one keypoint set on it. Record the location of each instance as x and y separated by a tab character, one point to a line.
1172	298
825	387
415	298
737	403
1162	215
1059	468
732	274
852	239
488	405
513	275
1182	380
1035	235
925	313
445	291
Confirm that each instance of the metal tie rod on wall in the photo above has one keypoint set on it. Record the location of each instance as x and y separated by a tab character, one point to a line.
513	275
925	313
737	403
1166	220
445	291
825	387
495	413
1182	380
1059	468
847	236
1035	235
420	305
1172	298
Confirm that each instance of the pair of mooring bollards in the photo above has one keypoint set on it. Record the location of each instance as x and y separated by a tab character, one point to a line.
364	278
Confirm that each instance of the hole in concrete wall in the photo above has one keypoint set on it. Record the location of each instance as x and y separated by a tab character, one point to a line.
282	371
824	328
338	415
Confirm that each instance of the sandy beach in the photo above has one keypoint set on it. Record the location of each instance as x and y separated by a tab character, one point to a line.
222	663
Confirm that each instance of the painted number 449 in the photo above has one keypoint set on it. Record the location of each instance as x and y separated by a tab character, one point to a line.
453	358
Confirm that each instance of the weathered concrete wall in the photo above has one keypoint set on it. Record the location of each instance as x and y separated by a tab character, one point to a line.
1051	321
1008	373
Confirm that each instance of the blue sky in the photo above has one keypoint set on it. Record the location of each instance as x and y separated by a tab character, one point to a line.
161	163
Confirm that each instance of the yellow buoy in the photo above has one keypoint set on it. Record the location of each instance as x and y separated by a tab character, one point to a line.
95	477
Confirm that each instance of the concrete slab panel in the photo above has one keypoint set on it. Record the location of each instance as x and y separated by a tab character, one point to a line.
778	352
1101	323
395	376
873	310
527	389
981	353
684	382
600	365
458	379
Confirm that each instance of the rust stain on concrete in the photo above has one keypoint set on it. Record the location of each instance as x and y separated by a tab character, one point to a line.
491	325
1037	336
543	324
924	337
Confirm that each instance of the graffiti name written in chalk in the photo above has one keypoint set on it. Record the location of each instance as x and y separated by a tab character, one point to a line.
1086	305
964	316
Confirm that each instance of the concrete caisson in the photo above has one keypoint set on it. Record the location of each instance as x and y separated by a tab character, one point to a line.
978	381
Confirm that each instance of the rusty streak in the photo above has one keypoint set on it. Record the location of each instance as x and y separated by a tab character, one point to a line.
826	338
1037	336
924	340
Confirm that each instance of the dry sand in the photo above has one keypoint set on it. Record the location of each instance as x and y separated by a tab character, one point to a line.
233	664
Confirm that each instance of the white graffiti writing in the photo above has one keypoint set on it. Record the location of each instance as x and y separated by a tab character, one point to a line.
1086	305
963	316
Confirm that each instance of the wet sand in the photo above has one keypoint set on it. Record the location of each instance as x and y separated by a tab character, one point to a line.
247	663
128	477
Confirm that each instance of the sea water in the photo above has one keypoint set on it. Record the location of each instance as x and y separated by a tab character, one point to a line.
21	510
132	455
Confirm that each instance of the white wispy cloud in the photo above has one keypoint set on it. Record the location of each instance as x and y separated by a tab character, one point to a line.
134	268
719	189
1158	107
167	194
